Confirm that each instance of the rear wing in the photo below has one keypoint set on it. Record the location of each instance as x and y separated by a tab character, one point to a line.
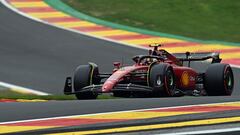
198	56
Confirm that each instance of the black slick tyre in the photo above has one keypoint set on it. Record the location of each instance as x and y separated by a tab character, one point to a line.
162	78
85	75
219	80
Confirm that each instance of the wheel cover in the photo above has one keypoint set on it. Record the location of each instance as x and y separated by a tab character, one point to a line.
170	80
159	82
228	80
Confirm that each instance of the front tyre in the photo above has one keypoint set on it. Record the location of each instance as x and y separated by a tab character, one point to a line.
162	78
85	75
219	80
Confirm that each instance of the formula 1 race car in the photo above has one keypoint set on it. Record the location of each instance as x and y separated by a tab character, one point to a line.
158	74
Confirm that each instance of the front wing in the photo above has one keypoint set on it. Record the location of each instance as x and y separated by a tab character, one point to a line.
97	89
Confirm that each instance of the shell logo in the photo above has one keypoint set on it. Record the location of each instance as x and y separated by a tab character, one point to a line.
185	78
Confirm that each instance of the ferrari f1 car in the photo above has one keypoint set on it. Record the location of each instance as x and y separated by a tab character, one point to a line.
157	74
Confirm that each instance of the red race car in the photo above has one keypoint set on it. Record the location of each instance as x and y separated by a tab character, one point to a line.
158	74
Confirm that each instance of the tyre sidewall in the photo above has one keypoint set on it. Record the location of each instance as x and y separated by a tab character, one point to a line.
214	82
160	70
85	75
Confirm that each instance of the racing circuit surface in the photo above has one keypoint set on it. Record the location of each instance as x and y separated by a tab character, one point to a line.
38	56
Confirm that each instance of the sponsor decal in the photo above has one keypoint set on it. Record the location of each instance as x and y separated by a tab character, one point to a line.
192	79
185	78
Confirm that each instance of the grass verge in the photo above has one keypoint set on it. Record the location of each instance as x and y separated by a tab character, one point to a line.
205	19
7	94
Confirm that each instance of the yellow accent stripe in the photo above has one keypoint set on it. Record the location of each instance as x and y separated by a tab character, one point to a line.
122	115
33	100
237	104
118	32
153	40
229	55
156	126
134	115
196	48
112	33
29	4
12	129
48	15
75	24
148	114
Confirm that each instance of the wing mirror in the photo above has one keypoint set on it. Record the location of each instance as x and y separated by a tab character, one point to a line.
117	65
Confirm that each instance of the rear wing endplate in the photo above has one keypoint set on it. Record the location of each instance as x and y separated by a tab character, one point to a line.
198	56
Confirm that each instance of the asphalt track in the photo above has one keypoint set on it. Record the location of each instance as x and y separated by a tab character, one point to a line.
38	56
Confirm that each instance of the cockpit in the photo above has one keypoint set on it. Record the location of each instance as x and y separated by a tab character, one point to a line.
146	59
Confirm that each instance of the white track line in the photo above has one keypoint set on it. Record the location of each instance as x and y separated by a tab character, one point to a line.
68	29
236	66
38	20
75	31
94	114
22	89
6	4
204	131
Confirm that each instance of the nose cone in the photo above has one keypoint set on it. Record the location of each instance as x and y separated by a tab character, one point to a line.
107	87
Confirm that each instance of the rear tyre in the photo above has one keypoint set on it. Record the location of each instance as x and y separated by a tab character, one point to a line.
162	79
85	75
219	80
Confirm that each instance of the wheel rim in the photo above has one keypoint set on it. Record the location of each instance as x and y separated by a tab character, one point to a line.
159	82
170	80
228	80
